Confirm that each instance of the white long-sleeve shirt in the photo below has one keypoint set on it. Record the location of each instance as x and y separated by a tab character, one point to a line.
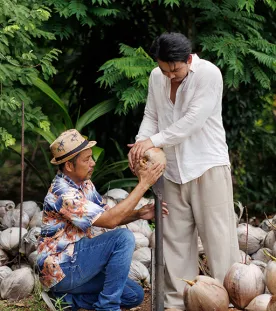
190	131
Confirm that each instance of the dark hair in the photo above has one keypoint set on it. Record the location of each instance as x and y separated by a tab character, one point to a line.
171	47
73	160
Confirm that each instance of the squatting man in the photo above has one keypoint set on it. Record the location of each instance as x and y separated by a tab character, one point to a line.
87	269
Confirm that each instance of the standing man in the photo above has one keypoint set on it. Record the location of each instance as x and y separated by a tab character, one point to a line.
86	270
183	116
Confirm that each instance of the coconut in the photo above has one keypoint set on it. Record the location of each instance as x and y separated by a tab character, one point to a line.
29	207
243	283
5	205
270	276
144	227
152	240
32	258
143	255
256	237
29	241
260	255
154	155
140	240
4	271
259	303
274	250
9	238
205	294
142	202
262	265
117	194
243	256
4	258
270	239
133	227
272	304
267	224
36	220
139	273
111	202
17	285
12	219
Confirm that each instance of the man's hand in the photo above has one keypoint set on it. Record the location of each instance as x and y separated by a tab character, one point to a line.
147	211
137	151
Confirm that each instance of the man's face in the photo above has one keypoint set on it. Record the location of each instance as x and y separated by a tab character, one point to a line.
176	71
83	168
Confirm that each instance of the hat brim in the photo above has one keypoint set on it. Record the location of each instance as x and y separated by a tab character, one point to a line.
89	145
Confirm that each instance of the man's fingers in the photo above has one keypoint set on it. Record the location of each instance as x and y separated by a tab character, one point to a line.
130	145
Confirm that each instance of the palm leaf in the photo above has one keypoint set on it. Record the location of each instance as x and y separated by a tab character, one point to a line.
120	183
45	88
94	113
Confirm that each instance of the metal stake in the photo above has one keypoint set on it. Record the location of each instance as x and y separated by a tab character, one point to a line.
159	265
22	184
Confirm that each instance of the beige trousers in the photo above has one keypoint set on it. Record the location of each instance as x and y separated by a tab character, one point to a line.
202	206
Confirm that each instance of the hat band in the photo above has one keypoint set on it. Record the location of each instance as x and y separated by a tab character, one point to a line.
80	147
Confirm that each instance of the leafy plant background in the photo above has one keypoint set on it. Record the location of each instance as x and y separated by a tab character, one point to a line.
85	64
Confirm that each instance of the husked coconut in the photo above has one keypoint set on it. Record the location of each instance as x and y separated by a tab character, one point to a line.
29	207
111	202
152	240
243	283
12	219
260	255
142	202
154	155
267	224
262	265
140	240
4	271
259	303
139	273
32	259
9	238
270	276
5	205
272	304
143	255
36	220
117	194
144	227
30	241
4	258
270	239
133	227
17	285
205	294
243	256
256	237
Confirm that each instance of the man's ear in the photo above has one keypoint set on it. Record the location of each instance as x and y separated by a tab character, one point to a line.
189	59
69	166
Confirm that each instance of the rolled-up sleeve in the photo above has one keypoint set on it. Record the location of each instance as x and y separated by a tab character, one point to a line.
200	109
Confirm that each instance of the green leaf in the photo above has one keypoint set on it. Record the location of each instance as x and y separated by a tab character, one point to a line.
120	183
45	88
46	135
94	113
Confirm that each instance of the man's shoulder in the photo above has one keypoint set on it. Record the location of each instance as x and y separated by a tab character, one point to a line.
205	67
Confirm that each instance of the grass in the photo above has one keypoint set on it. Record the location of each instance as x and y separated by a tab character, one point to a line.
31	303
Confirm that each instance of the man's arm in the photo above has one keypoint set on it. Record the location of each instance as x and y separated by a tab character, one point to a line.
124	210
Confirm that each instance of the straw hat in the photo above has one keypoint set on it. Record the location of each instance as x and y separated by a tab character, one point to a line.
67	145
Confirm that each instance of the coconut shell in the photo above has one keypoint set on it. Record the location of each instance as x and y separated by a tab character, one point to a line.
270	276
205	294
243	283
259	303
272	304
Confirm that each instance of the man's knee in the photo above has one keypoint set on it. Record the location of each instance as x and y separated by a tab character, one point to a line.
126	236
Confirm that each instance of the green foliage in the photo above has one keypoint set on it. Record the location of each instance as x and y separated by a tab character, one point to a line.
21	61
127	77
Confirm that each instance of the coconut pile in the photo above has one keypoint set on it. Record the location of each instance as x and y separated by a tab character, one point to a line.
249	284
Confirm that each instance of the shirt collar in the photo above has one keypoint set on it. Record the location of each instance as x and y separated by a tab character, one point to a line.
69	180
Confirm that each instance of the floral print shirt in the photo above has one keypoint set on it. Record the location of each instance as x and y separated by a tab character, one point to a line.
69	212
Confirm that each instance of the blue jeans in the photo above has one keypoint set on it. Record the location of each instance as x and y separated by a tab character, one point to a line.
97	276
